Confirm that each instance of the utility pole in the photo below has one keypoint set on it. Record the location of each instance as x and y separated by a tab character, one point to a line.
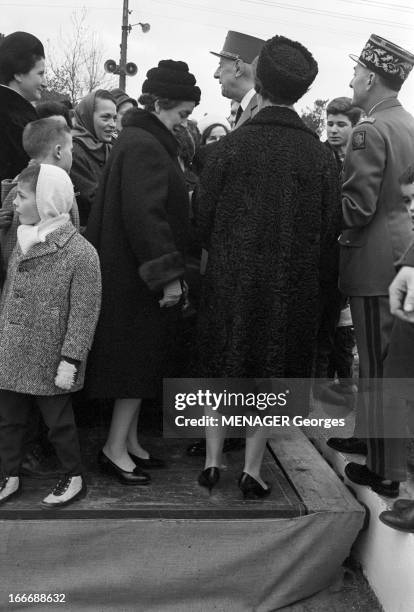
124	43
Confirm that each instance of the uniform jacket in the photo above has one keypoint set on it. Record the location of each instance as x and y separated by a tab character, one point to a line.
249	112
8	237
380	150
15	113
266	216
48	310
139	224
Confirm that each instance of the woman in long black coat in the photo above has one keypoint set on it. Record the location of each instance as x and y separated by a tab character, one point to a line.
139	224
267	219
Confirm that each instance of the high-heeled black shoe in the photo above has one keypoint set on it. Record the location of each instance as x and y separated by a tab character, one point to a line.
136	477
209	478
152	463
252	489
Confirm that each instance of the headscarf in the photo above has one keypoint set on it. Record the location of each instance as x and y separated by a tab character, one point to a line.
54	199
83	129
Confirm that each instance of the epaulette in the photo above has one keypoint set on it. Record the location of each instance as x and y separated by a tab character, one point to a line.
366	120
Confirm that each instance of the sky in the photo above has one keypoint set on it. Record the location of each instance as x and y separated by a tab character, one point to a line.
188	29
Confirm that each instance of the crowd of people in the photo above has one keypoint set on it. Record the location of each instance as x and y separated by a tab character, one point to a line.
122	217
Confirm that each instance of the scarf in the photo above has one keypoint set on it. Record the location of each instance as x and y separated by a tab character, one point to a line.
54	199
83	131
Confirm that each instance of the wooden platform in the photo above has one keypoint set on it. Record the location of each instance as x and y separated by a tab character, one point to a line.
171	547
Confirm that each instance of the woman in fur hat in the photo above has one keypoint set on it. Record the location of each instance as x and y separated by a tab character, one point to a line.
140	227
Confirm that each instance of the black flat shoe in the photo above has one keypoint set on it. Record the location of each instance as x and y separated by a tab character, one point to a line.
348	445
136	477
209	477
252	489
152	463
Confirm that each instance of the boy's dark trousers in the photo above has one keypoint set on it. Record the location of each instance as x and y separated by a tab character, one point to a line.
58	415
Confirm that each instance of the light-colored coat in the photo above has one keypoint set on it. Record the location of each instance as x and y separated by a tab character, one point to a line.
48	310
380	150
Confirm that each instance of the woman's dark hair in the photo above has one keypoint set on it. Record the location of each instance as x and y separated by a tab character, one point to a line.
206	133
19	53
148	102
344	106
103	94
51	108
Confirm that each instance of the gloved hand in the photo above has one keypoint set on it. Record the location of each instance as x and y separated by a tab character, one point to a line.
172	294
65	377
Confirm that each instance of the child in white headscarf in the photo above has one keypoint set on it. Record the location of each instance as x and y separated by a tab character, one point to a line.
48	313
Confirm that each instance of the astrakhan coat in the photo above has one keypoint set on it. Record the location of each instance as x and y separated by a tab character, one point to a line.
139	224
48	310
265	214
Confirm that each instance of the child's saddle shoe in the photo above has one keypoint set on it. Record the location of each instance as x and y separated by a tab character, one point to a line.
67	490
9	488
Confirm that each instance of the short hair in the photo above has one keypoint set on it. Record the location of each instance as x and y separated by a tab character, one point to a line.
148	102
344	106
103	94
206	133
407	177
272	97
52	108
19	53
29	176
40	135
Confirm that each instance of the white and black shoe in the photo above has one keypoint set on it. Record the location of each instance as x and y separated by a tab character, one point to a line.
65	492
9	488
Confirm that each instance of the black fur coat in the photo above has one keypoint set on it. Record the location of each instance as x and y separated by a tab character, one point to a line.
268	213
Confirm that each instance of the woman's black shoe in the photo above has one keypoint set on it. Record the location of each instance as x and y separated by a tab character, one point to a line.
152	463
252	489
209	477
136	477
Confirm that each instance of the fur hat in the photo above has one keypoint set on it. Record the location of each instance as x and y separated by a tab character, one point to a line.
120	97
285	69
172	80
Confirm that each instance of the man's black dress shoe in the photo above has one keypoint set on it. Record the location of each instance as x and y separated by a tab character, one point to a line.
198	449
36	465
252	489
152	463
402	520
402	504
348	445
360	474
136	477
209	477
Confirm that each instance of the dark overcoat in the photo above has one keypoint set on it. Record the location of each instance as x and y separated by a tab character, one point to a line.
15	114
265	215
139	224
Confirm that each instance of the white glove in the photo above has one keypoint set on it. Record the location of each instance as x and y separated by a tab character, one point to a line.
65	377
172	294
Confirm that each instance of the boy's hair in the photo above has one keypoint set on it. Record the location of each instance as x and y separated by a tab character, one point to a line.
408	176
51	107
29	176
344	106
39	136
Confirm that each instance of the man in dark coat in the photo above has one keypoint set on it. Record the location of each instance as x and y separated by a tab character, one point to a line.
265	215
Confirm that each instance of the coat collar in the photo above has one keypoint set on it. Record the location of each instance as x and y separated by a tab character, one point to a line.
53	242
10	100
282	116
138	117
384	105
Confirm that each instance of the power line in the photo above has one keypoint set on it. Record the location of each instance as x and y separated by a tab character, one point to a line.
319	12
386	5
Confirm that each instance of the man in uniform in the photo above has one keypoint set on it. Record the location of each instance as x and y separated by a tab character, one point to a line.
236	73
378	233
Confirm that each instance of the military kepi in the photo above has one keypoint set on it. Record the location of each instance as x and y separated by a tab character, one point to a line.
240	46
385	58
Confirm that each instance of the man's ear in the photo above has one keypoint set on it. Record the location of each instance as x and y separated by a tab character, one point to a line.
57	152
157	107
239	67
372	79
